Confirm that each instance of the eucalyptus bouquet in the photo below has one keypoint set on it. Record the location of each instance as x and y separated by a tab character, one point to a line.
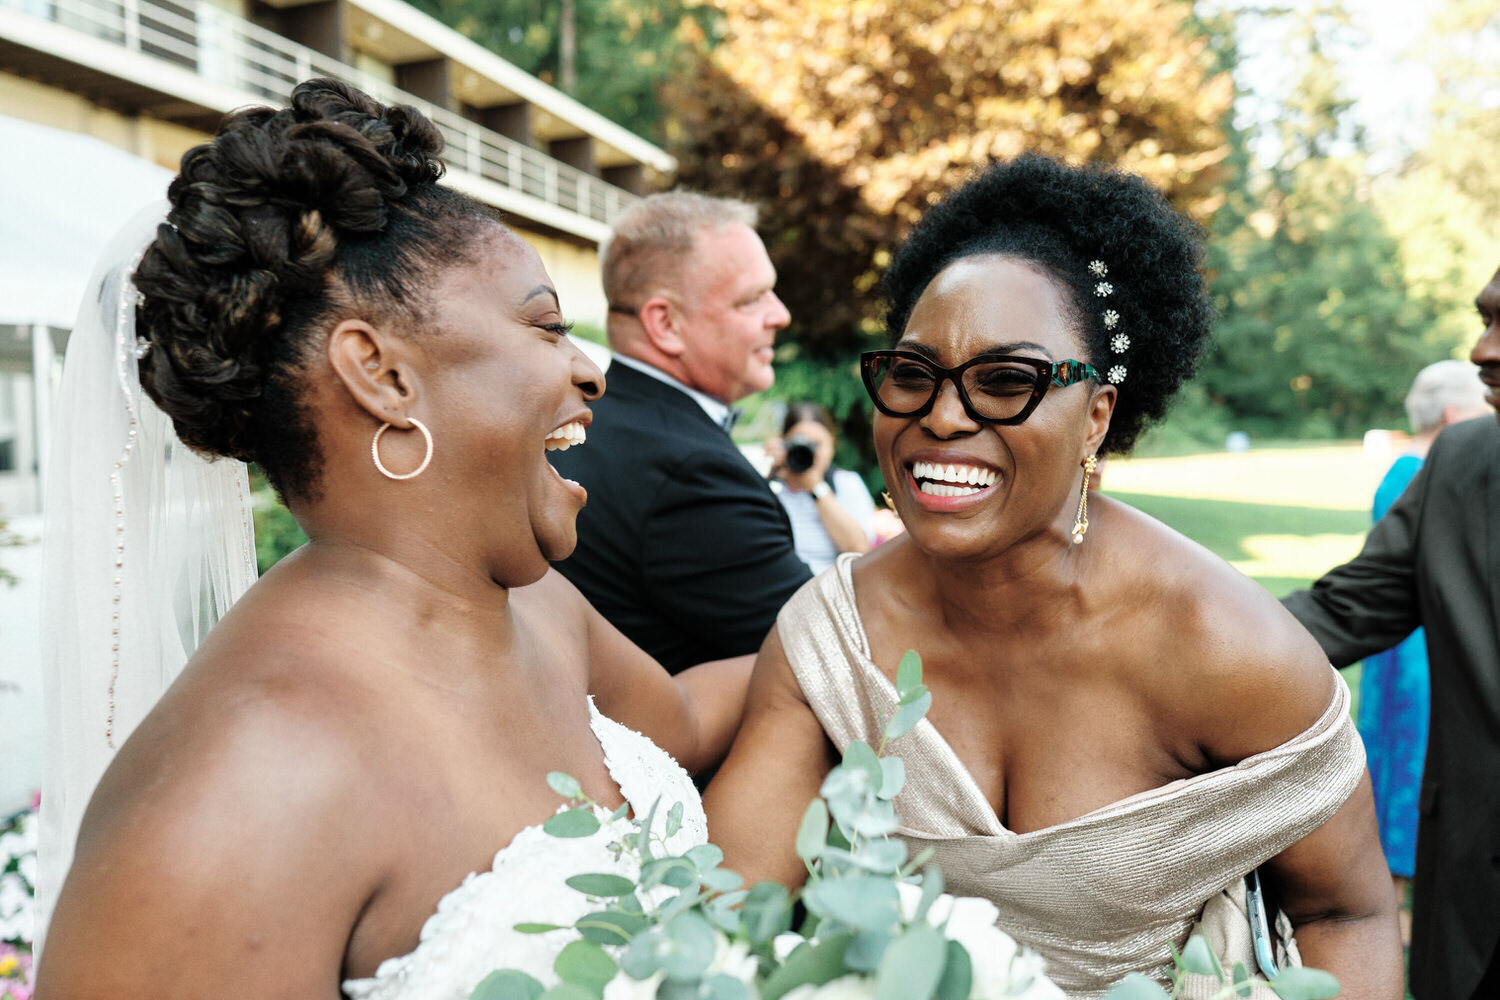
877	923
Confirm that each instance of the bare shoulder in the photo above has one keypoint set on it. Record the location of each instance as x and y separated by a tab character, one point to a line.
1229	666
261	748
256	790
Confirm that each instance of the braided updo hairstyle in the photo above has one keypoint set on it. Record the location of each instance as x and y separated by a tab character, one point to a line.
285	222
1062	220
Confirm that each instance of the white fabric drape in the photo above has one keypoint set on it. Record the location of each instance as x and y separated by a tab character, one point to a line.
147	544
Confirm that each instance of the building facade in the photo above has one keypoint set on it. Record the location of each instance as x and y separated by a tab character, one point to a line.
151	78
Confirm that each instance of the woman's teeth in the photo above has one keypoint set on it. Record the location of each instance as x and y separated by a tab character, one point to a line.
937	480
564	437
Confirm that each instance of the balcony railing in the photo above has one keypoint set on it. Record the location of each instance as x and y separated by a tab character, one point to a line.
231	51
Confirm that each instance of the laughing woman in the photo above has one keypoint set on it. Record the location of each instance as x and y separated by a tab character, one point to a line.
1122	726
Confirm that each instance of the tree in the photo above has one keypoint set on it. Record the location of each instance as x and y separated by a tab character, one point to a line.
612	55
844	119
1320	331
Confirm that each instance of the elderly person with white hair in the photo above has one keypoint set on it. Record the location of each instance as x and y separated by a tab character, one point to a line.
1393	688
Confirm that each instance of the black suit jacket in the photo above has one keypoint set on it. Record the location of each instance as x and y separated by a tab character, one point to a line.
1434	560
683	546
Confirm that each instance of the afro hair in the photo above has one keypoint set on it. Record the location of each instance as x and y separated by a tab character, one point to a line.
1128	263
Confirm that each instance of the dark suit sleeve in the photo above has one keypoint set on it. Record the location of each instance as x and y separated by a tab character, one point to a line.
717	555
1370	603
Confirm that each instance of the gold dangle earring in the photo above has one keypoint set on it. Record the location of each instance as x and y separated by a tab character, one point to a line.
890	504
1081	522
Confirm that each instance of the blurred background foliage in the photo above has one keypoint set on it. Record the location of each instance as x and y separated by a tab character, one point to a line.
1335	278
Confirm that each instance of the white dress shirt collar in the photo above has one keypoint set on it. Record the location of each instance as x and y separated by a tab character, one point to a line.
717	411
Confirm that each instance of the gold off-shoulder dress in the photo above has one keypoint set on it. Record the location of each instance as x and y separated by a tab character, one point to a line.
1104	894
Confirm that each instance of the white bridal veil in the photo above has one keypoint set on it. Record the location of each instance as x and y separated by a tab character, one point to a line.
146	545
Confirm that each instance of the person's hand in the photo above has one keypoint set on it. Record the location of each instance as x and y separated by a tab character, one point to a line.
775	449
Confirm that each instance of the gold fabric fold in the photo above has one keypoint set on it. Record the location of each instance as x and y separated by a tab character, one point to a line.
1106	893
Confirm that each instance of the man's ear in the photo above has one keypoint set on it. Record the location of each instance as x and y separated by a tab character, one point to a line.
1101	408
374	370
658	318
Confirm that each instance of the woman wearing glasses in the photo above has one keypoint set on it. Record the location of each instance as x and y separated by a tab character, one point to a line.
1122	726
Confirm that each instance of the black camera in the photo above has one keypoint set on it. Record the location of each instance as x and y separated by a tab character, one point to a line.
800	452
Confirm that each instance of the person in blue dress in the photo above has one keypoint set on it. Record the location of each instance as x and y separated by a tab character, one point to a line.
1393	686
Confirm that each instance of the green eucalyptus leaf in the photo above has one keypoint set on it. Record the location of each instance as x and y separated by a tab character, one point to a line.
538	928
620	811
1136	987
1298	983
705	857
767	912
932	888
912	695
679	873
601	885
721	879
630	904
568	991
681	903
642	958
908	715
611	926
573	823
861	902
876	819
812	835
908	672
892	777
585	964
812	964
722	987
724	911
912	965
1241	979
507	984
643	840
692	947
861	757
867	949
564	784
958	974
1198	957
885	856
674	819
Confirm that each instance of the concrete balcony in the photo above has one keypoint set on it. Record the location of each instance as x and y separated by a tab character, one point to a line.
188	62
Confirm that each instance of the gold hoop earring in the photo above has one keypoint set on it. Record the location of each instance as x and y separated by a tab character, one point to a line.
387	473
1081	522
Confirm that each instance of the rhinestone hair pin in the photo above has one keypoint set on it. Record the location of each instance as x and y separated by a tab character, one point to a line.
1119	343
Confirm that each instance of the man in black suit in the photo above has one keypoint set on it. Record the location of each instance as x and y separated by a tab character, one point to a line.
1434	560
683	546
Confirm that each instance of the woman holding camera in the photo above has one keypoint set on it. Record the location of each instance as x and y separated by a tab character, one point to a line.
830	509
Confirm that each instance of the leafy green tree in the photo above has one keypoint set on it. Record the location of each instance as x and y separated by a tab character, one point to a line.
612	55
1320	330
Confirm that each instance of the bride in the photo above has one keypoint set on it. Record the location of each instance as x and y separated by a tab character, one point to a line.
376	717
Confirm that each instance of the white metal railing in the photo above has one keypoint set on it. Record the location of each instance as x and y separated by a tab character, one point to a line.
229	50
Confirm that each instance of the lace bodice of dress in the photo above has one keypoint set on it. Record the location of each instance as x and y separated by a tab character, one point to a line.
472	933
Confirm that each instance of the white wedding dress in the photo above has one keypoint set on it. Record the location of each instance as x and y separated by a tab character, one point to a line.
473	931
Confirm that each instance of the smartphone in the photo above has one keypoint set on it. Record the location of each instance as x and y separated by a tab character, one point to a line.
1260	926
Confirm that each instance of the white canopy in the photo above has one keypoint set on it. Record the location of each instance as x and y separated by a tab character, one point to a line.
63	195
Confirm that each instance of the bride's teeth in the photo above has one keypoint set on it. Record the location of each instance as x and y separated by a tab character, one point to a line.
564	437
